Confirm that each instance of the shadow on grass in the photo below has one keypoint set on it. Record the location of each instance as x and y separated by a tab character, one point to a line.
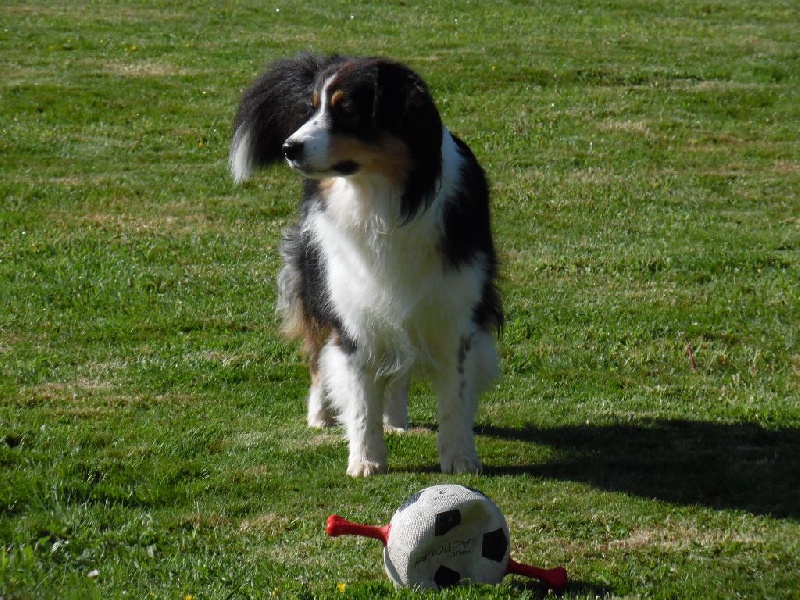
575	589
726	466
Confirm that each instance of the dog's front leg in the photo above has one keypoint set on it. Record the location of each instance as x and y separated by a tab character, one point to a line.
357	394
457	406
458	386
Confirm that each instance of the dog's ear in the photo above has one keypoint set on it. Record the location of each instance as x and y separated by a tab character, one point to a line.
273	108
405	107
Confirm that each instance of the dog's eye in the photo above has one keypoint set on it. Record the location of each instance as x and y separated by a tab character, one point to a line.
349	111
347	107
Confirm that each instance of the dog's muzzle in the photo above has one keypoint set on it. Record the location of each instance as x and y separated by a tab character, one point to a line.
294	152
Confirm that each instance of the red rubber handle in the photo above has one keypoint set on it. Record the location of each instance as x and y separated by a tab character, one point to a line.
555	578
337	526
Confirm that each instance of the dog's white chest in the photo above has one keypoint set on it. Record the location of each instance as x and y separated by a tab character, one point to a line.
393	292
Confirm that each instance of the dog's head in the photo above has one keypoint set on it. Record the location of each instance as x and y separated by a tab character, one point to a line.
369	115
342	117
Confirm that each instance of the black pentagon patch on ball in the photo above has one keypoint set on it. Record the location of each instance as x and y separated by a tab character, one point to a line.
446	521
445	577
412	499
495	545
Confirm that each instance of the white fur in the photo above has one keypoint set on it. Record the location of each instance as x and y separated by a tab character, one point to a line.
319	414
316	137
407	313
241	156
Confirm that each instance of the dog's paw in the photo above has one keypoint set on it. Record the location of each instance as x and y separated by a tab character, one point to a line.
395	418
320	414
394	428
464	463
321	420
365	468
320	417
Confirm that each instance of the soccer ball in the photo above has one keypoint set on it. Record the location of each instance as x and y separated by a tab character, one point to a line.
445	535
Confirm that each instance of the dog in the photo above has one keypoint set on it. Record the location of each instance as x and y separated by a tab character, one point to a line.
390	270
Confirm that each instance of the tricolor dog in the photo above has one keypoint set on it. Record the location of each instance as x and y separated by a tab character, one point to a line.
390	271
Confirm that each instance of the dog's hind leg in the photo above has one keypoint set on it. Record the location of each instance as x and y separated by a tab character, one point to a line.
395	408
320	411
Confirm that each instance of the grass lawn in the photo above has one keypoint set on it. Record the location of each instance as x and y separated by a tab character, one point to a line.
645	168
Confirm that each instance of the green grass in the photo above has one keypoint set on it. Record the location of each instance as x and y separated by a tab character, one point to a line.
644	160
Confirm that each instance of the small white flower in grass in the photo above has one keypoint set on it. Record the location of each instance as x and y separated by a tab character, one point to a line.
94	573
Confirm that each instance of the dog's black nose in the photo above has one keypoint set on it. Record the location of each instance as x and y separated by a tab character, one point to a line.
292	150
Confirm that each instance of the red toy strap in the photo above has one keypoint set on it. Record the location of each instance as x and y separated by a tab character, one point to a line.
337	526
555	578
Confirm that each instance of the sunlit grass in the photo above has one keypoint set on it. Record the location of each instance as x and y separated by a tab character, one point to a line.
644	167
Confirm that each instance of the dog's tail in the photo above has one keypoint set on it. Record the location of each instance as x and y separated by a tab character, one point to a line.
273	108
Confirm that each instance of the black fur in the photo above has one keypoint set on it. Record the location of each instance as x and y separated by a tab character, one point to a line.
383	96
405	108
278	103
303	278
468	232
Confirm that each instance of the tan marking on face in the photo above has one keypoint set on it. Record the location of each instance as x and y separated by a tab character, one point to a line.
337	98
315	99
388	156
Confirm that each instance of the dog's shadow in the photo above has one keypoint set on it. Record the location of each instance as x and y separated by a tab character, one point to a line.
723	466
